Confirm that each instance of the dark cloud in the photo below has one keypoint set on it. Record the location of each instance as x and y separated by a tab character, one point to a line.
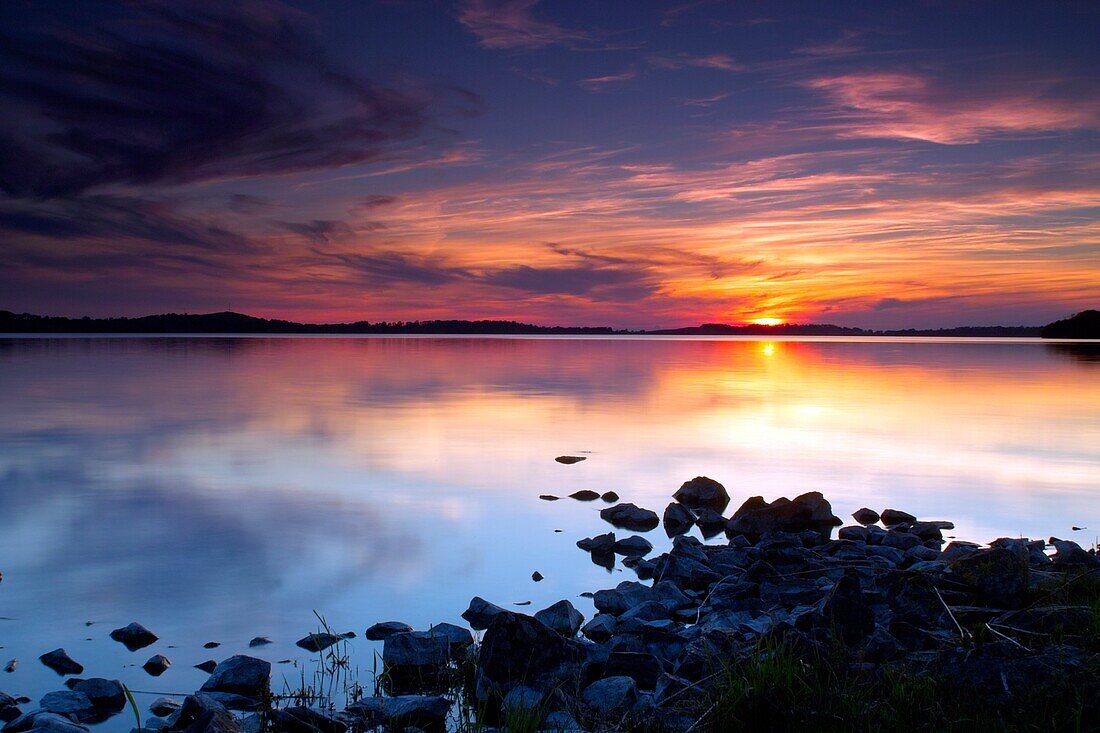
389	268
172	93
318	230
616	282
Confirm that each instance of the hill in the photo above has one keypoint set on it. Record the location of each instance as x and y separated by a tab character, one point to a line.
1084	325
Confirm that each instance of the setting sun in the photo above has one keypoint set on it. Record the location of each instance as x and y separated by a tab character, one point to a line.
767	321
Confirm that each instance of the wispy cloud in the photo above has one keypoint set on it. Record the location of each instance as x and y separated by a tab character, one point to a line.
719	61
601	83
505	24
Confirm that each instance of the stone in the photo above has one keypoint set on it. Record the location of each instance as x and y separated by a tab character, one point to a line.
677	519
300	719
610	497
70	703
600	629
164	706
44	721
241	675
561	721
231	701
710	522
537	576
629	516
479	614
427	712
383	629
810	511
601	543
611	696
59	661
521	699
845	610
569	460
108	696
9	708
259	641
134	636
11	665
202	714
585	495
518	648
317	641
900	540
854	533
633	546
642	667
865	516
958	549
157	665
1069	554
549	497
208	666
926	530
703	492
211	645
622	598
998	576
562	617
893	516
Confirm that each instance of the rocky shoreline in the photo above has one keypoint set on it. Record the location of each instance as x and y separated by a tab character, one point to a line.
885	598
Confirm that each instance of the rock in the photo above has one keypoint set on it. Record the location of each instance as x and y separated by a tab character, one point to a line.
164	706
202	714
317	641
633	546
107	696
561	721
9	708
481	613
300	719
677	519
10	667
521	700
601	543
920	553
894	516
926	530
44	721
1070	554
857	534
710	522
383	629
259	641
59	661
865	516
585	495
521	648
134	636
230	701
241	675
703	492
900	540
211	645
562	617
549	497
416	659
70	703
600	629
810	511
569	460
957	550
845	610
998	575
208	666
642	667
611	696
622	598
537	576
427	712
157	665
629	516
881	646
610	497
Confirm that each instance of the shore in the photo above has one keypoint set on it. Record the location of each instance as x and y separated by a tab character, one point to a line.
796	622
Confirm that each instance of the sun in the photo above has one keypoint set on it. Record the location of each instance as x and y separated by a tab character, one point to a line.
767	321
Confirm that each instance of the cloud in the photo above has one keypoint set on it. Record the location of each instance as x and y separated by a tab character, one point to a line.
909	106
600	83
504	24
619	283
390	268
190	92
718	61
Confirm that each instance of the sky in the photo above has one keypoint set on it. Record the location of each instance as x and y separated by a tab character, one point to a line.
642	164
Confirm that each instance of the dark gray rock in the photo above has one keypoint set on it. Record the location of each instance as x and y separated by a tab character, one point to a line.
70	703
612	696
865	516
569	460
211	645
383	629
537	576
9	708
562	617
259	641
427	712
230	701
519	648
677	519
893	516
845	611
601	543
107	696
854	533
600	629
208	666
710	522
810	511
317	641
633	546
134	636
900	540
610	497
241	675
629	516
703	492
202	714
999	576
958	549
44	721
300	719
1069	554
164	706
480	613
59	661
622	598
585	495
642	667
521	699
926	530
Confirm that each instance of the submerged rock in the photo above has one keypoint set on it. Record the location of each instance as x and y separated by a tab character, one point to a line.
59	661
549	497
240	675
259	641
865	516
317	641
164	706
609	496
633	546
134	636
157	665
629	516
599	543
569	460
211	645
585	495
208	666
537	576
703	492
383	629
677	519
108	696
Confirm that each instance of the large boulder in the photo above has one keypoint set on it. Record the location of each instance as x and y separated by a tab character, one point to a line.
72	704
633	546
625	596
481	613
601	543
562	617
810	511
703	492
896	516
134	636
629	516
1068	554
518	648
202	714
865	516
998	576
383	629
9	708
611	696
59	661
677	519
108	696
241	675
427	712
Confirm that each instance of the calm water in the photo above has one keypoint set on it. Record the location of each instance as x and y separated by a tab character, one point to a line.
223	488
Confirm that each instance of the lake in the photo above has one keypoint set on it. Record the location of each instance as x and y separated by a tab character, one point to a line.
225	488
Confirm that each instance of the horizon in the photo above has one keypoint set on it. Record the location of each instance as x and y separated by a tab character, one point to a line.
879	167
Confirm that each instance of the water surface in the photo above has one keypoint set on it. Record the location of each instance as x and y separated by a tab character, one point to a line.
223	488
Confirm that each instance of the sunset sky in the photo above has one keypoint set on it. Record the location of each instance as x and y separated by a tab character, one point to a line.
634	164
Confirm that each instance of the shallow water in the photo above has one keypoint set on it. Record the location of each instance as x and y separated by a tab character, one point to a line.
224	488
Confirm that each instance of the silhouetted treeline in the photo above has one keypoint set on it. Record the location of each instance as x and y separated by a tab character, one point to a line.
1080	326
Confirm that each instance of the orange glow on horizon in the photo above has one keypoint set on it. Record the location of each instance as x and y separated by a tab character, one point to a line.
767	321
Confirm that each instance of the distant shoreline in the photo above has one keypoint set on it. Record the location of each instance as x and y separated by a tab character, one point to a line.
229	323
